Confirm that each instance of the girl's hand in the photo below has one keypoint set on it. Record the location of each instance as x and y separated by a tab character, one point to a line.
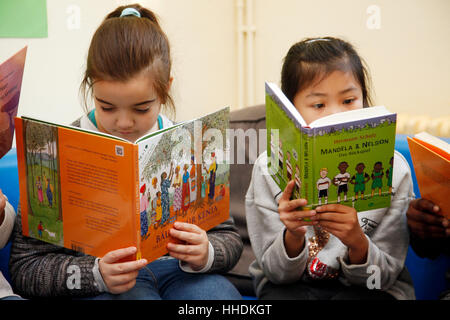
425	221
342	221
195	247
293	219
118	276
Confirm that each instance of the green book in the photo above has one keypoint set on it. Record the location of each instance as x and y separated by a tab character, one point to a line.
344	158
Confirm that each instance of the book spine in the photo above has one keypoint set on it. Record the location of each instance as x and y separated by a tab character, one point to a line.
22	173
307	169
136	214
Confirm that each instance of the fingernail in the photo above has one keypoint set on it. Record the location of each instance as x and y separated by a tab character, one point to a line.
436	208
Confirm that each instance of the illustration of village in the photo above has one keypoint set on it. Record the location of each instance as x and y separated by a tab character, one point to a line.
184	172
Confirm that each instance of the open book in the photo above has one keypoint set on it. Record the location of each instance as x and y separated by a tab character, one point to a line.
11	73
344	158
93	192
431	160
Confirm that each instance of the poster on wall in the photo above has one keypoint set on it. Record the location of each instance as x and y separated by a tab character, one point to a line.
23	19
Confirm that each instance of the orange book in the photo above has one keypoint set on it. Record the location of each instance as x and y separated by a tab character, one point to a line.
11	73
431	159
94	193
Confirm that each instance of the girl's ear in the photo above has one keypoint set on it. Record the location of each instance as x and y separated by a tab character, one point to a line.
169	85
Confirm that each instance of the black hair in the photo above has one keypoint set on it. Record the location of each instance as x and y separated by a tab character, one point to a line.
318	57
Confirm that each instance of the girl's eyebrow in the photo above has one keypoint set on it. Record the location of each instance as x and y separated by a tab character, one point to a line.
348	90
103	101
135	105
320	94
144	102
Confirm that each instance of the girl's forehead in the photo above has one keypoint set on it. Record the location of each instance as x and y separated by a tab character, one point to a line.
335	78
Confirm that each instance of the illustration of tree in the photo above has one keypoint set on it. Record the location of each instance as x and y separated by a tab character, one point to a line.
183	140
34	143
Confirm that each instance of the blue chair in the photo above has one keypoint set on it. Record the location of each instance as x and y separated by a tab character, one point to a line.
428	275
9	183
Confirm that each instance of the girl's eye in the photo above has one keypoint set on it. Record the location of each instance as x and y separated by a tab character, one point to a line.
318	105
348	101
106	109
142	110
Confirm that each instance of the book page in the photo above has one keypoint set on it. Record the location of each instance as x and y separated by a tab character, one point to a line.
434	143
432	173
352	115
11	73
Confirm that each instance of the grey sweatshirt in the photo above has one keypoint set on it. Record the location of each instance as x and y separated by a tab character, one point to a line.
385	229
6	228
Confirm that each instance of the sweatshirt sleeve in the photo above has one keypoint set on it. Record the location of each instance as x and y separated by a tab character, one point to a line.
266	231
227	245
388	245
7	224
40	269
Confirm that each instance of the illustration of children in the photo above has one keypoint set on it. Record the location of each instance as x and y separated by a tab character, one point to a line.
212	177
389	173
40	229
377	176
298	182
203	190
193	180
288	166
273	149
49	193
280	155
341	180
322	185
185	194
221	193
166	181
177	198
39	188
153	198
359	179
143	210
158	209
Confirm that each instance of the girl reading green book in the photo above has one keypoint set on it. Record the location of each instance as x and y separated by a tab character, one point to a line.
324	253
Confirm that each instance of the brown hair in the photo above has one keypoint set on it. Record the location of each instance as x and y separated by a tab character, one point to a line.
124	46
318	57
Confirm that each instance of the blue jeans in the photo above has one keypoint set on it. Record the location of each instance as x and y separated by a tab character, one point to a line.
163	279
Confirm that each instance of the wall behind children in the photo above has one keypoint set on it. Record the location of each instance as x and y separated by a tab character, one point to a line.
224	50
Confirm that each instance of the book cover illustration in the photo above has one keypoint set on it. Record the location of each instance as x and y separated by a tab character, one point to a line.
184	177
44	203
94	193
432	169
349	162
11	74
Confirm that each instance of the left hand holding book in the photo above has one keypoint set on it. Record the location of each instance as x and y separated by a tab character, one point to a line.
425	220
193	246
120	276
342	221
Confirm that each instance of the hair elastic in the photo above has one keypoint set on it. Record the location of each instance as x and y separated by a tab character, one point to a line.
317	39
130	12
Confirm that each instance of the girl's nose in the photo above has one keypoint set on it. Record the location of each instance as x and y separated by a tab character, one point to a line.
125	121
